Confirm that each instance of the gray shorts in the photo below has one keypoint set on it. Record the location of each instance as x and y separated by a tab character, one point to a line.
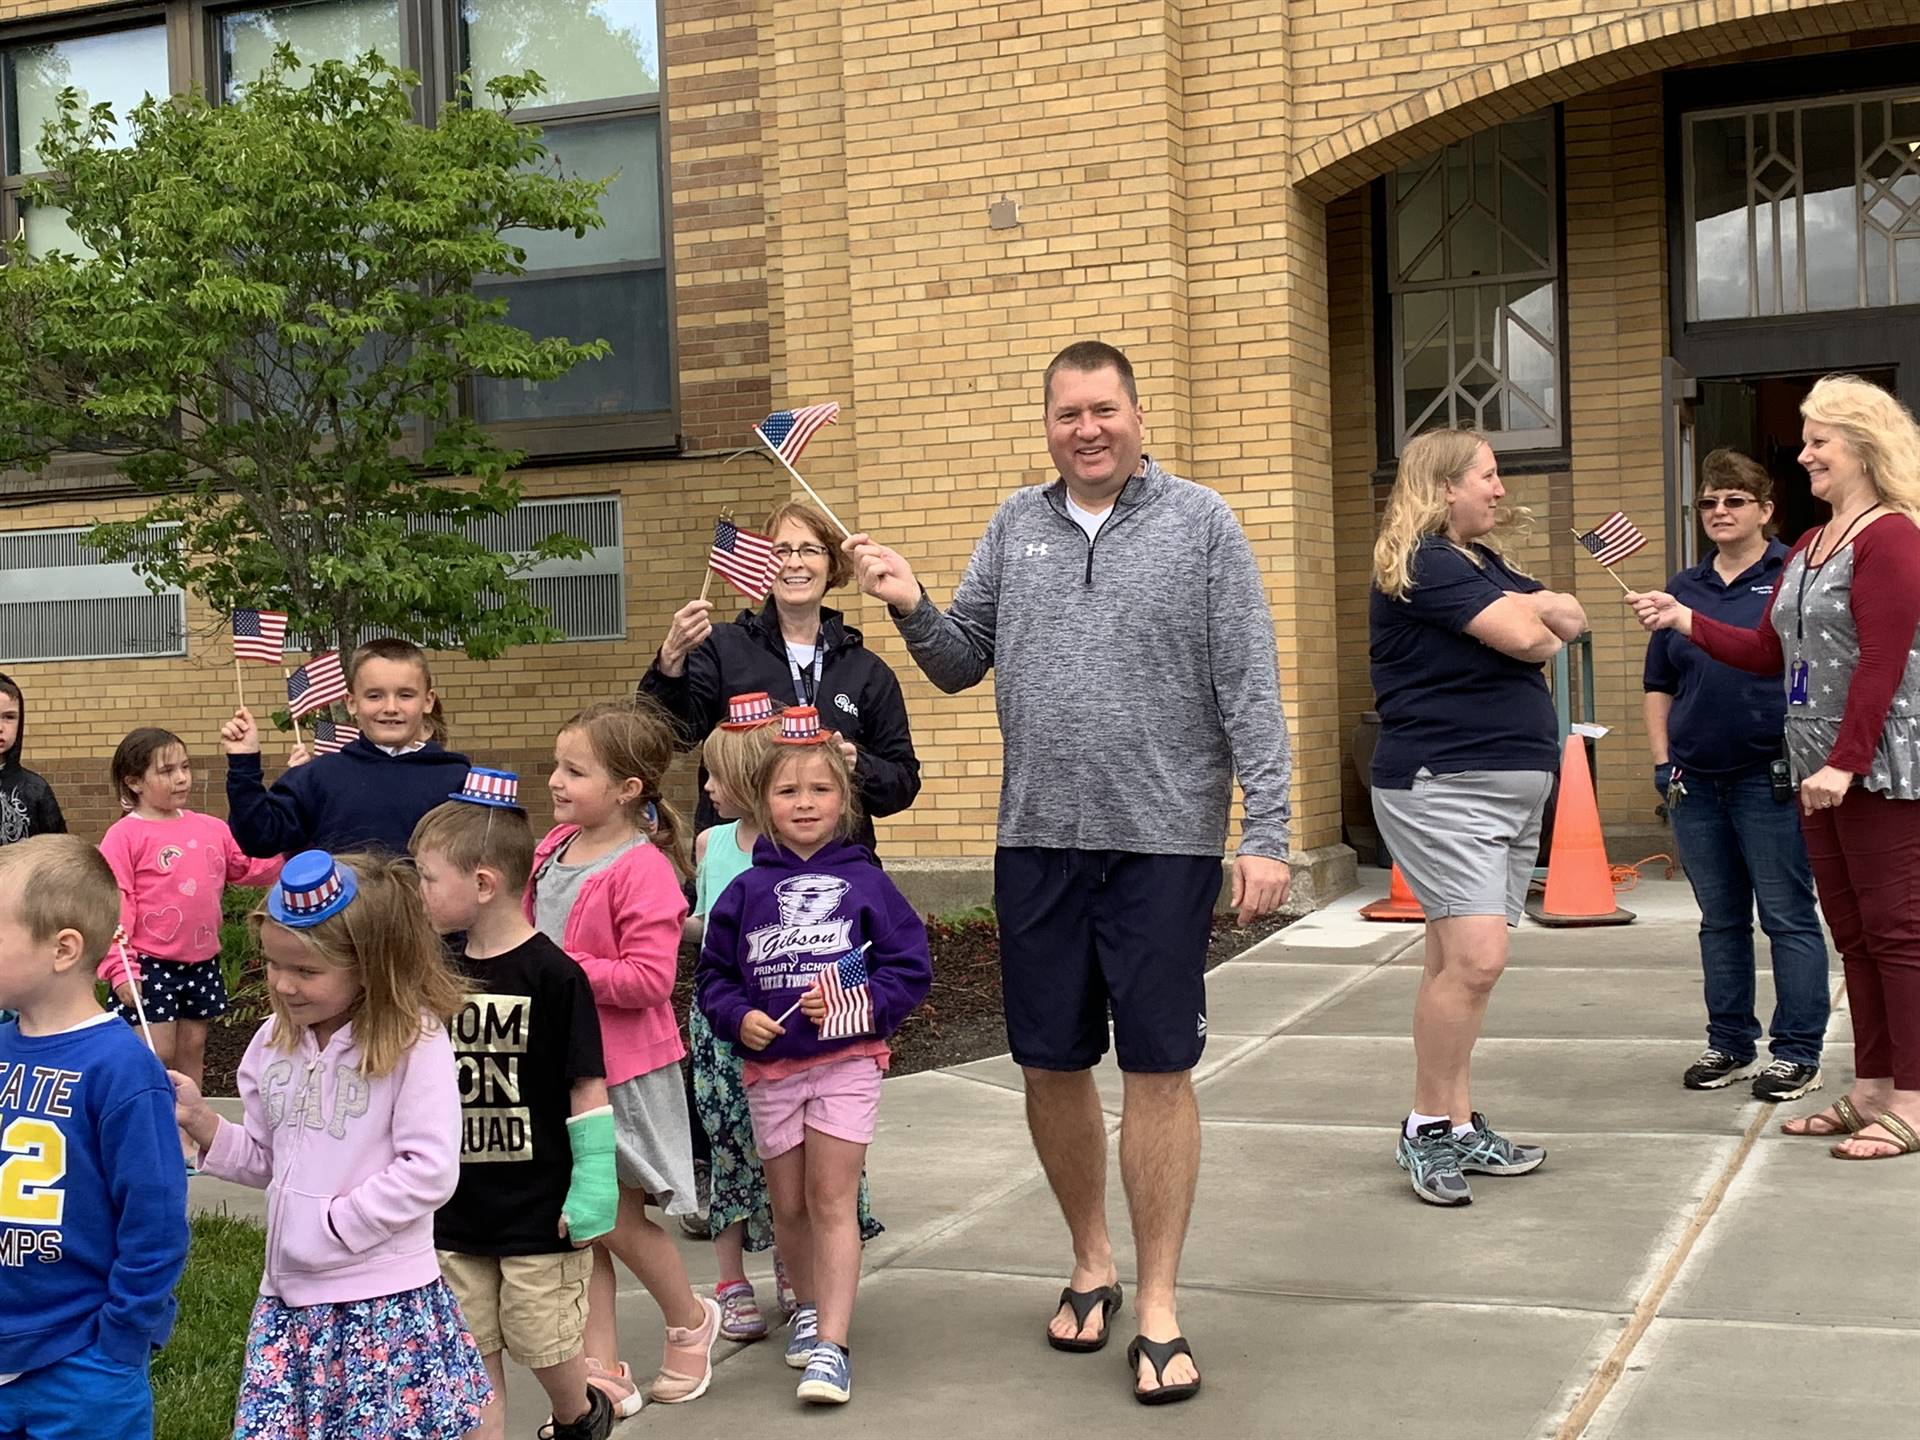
1467	842
652	1139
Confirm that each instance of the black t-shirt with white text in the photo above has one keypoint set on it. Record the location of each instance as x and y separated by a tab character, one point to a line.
527	1031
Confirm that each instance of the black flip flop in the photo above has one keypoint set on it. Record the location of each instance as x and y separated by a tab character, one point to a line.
1160	1352
1108	1298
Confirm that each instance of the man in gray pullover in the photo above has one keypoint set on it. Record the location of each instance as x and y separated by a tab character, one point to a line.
1127	624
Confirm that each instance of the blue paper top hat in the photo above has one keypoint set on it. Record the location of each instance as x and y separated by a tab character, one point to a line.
312	887
490	787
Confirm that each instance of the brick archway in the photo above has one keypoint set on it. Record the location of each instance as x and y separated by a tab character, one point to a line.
1624	49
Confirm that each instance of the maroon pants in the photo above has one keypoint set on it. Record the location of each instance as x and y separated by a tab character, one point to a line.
1866	864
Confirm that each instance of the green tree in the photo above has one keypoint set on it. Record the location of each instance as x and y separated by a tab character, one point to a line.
276	311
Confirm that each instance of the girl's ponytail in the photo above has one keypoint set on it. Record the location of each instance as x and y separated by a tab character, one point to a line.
670	833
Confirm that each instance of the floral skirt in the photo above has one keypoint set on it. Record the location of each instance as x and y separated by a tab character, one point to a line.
738	1186
399	1367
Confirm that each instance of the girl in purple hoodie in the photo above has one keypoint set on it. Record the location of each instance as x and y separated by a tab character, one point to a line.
811	959
352	1126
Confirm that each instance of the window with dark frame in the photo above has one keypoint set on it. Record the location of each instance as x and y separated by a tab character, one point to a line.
601	117
1473	285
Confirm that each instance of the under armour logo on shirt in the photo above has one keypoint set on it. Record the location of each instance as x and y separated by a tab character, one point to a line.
1039	549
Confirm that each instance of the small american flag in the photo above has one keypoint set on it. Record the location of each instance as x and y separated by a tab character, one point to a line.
331	739
319	682
259	635
849	1008
743	559
1613	539
788	431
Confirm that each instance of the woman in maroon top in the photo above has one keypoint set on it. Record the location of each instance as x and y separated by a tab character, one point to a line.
1841	626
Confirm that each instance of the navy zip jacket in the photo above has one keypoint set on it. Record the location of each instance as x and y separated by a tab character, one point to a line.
359	798
776	927
859	698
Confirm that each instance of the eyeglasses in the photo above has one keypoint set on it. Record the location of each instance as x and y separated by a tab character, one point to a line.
1711	502
784	553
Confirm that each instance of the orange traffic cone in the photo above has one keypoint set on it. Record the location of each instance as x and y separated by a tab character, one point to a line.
1579	882
1399	904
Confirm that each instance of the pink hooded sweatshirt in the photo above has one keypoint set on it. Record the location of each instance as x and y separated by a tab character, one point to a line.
624	930
353	1167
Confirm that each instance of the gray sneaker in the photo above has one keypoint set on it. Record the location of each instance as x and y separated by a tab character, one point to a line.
1486	1152
1433	1162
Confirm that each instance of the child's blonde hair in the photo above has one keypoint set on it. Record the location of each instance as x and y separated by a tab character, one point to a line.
734	758
402	652
634	740
778	758
384	934
60	882
468	836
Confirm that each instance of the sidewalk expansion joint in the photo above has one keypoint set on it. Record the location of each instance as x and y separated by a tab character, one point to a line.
1615	1365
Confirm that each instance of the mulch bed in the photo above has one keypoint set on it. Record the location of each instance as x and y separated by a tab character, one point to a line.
960	1021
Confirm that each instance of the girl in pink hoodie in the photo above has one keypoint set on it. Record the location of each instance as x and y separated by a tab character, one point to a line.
606	889
352	1126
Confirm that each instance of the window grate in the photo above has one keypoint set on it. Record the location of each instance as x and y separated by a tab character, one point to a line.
61	599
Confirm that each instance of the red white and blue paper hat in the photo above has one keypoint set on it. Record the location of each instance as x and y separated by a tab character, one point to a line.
312	887
748	712
490	787
800	725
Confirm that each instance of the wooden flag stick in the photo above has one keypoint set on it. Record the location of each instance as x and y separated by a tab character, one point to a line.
825	509
296	719
239	685
706	582
126	974
1625	589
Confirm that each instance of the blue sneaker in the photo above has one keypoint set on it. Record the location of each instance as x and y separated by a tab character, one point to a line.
805	1328
829	1377
1433	1161
1486	1152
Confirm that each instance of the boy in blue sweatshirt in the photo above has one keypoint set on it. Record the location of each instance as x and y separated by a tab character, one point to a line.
374	791
93	1211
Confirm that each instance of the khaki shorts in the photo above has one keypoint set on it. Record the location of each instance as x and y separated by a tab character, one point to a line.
532	1306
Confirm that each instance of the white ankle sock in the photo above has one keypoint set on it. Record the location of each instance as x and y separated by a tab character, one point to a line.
1462	1131
1416	1120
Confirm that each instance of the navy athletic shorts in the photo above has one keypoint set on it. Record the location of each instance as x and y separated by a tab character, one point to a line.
1085	933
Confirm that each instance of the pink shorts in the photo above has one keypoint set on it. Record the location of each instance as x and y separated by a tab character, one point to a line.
840	1098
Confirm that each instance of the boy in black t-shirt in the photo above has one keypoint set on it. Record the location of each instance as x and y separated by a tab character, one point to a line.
536	1152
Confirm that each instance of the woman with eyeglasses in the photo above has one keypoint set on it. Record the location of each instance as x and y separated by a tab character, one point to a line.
1715	733
1841	627
799	652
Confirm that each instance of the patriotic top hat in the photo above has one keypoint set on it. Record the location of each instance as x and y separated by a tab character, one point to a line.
499	788
312	887
800	725
748	712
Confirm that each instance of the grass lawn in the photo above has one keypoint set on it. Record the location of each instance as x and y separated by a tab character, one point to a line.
197	1376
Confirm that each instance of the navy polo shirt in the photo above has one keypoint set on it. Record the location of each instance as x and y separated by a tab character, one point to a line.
1446	701
1725	723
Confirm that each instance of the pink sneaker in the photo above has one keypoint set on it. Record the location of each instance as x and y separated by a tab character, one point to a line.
617	1385
686	1369
740	1317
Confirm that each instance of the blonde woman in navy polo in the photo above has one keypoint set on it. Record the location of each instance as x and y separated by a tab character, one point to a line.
1716	736
1466	759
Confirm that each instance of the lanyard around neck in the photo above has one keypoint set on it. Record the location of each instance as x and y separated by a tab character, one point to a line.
1807	567
805	685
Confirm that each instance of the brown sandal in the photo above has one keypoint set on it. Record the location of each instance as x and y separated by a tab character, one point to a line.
1901	1136
1849	1122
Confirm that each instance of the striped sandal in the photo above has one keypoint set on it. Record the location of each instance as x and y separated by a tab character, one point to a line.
1900	1135
740	1317
1844	1119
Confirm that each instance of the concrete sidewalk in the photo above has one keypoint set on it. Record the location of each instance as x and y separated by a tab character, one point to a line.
1323	1301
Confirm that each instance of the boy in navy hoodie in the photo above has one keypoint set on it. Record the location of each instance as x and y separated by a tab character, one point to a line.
93	1217
374	791
27	806
811	959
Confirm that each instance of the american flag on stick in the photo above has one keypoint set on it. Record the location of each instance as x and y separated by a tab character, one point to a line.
1613	539
743	559
849	1007
331	739
260	635
319	682
788	431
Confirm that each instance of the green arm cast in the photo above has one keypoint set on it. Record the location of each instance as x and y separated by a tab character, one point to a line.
593	1195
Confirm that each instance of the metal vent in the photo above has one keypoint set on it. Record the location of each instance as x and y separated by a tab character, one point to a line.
585	598
61	600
